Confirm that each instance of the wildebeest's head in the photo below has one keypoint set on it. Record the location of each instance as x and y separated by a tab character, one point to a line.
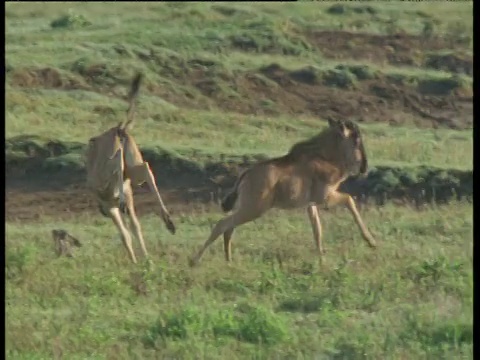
352	145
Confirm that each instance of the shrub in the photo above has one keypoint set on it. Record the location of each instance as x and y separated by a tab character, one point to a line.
70	21
361	72
428	29
339	78
254	325
441	86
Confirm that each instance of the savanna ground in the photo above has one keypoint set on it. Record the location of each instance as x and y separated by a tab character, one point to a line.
227	84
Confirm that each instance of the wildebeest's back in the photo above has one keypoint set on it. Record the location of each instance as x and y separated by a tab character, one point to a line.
303	180
101	164
131	155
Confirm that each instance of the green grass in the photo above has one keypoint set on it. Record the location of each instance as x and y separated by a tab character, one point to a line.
206	17
412	297
215	133
204	28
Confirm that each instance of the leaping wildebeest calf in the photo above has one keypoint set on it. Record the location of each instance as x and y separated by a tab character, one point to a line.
307	176
114	163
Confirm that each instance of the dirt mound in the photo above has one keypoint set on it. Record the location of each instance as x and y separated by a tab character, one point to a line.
345	91
362	94
348	91
398	49
455	63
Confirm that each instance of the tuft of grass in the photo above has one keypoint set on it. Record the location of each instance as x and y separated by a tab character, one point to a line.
254	325
70	21
340	78
361	72
18	259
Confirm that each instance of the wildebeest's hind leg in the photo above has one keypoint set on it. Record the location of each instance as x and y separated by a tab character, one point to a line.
134	223
227	243
338	198
142	173
127	239
118	167
316	227
224	225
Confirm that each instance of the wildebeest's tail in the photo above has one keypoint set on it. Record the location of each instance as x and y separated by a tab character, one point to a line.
132	96
228	201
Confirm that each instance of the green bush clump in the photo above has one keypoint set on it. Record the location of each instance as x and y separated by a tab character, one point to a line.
443	86
254	325
341	78
362	72
70	21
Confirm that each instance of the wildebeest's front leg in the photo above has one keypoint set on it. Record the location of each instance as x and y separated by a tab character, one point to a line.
227	244
142	173
134	223
338	198
118	165
316	227
126	238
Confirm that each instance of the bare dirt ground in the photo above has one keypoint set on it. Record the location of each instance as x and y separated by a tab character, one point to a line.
64	198
376	98
67	203
380	99
65	195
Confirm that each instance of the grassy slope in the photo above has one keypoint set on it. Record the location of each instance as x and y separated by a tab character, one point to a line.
31	42
411	299
214	133
49	112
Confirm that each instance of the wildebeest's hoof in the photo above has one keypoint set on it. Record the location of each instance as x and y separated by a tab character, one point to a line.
123	207
170	226
192	262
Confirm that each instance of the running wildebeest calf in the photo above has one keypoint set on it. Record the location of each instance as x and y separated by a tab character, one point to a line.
114	163
307	176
